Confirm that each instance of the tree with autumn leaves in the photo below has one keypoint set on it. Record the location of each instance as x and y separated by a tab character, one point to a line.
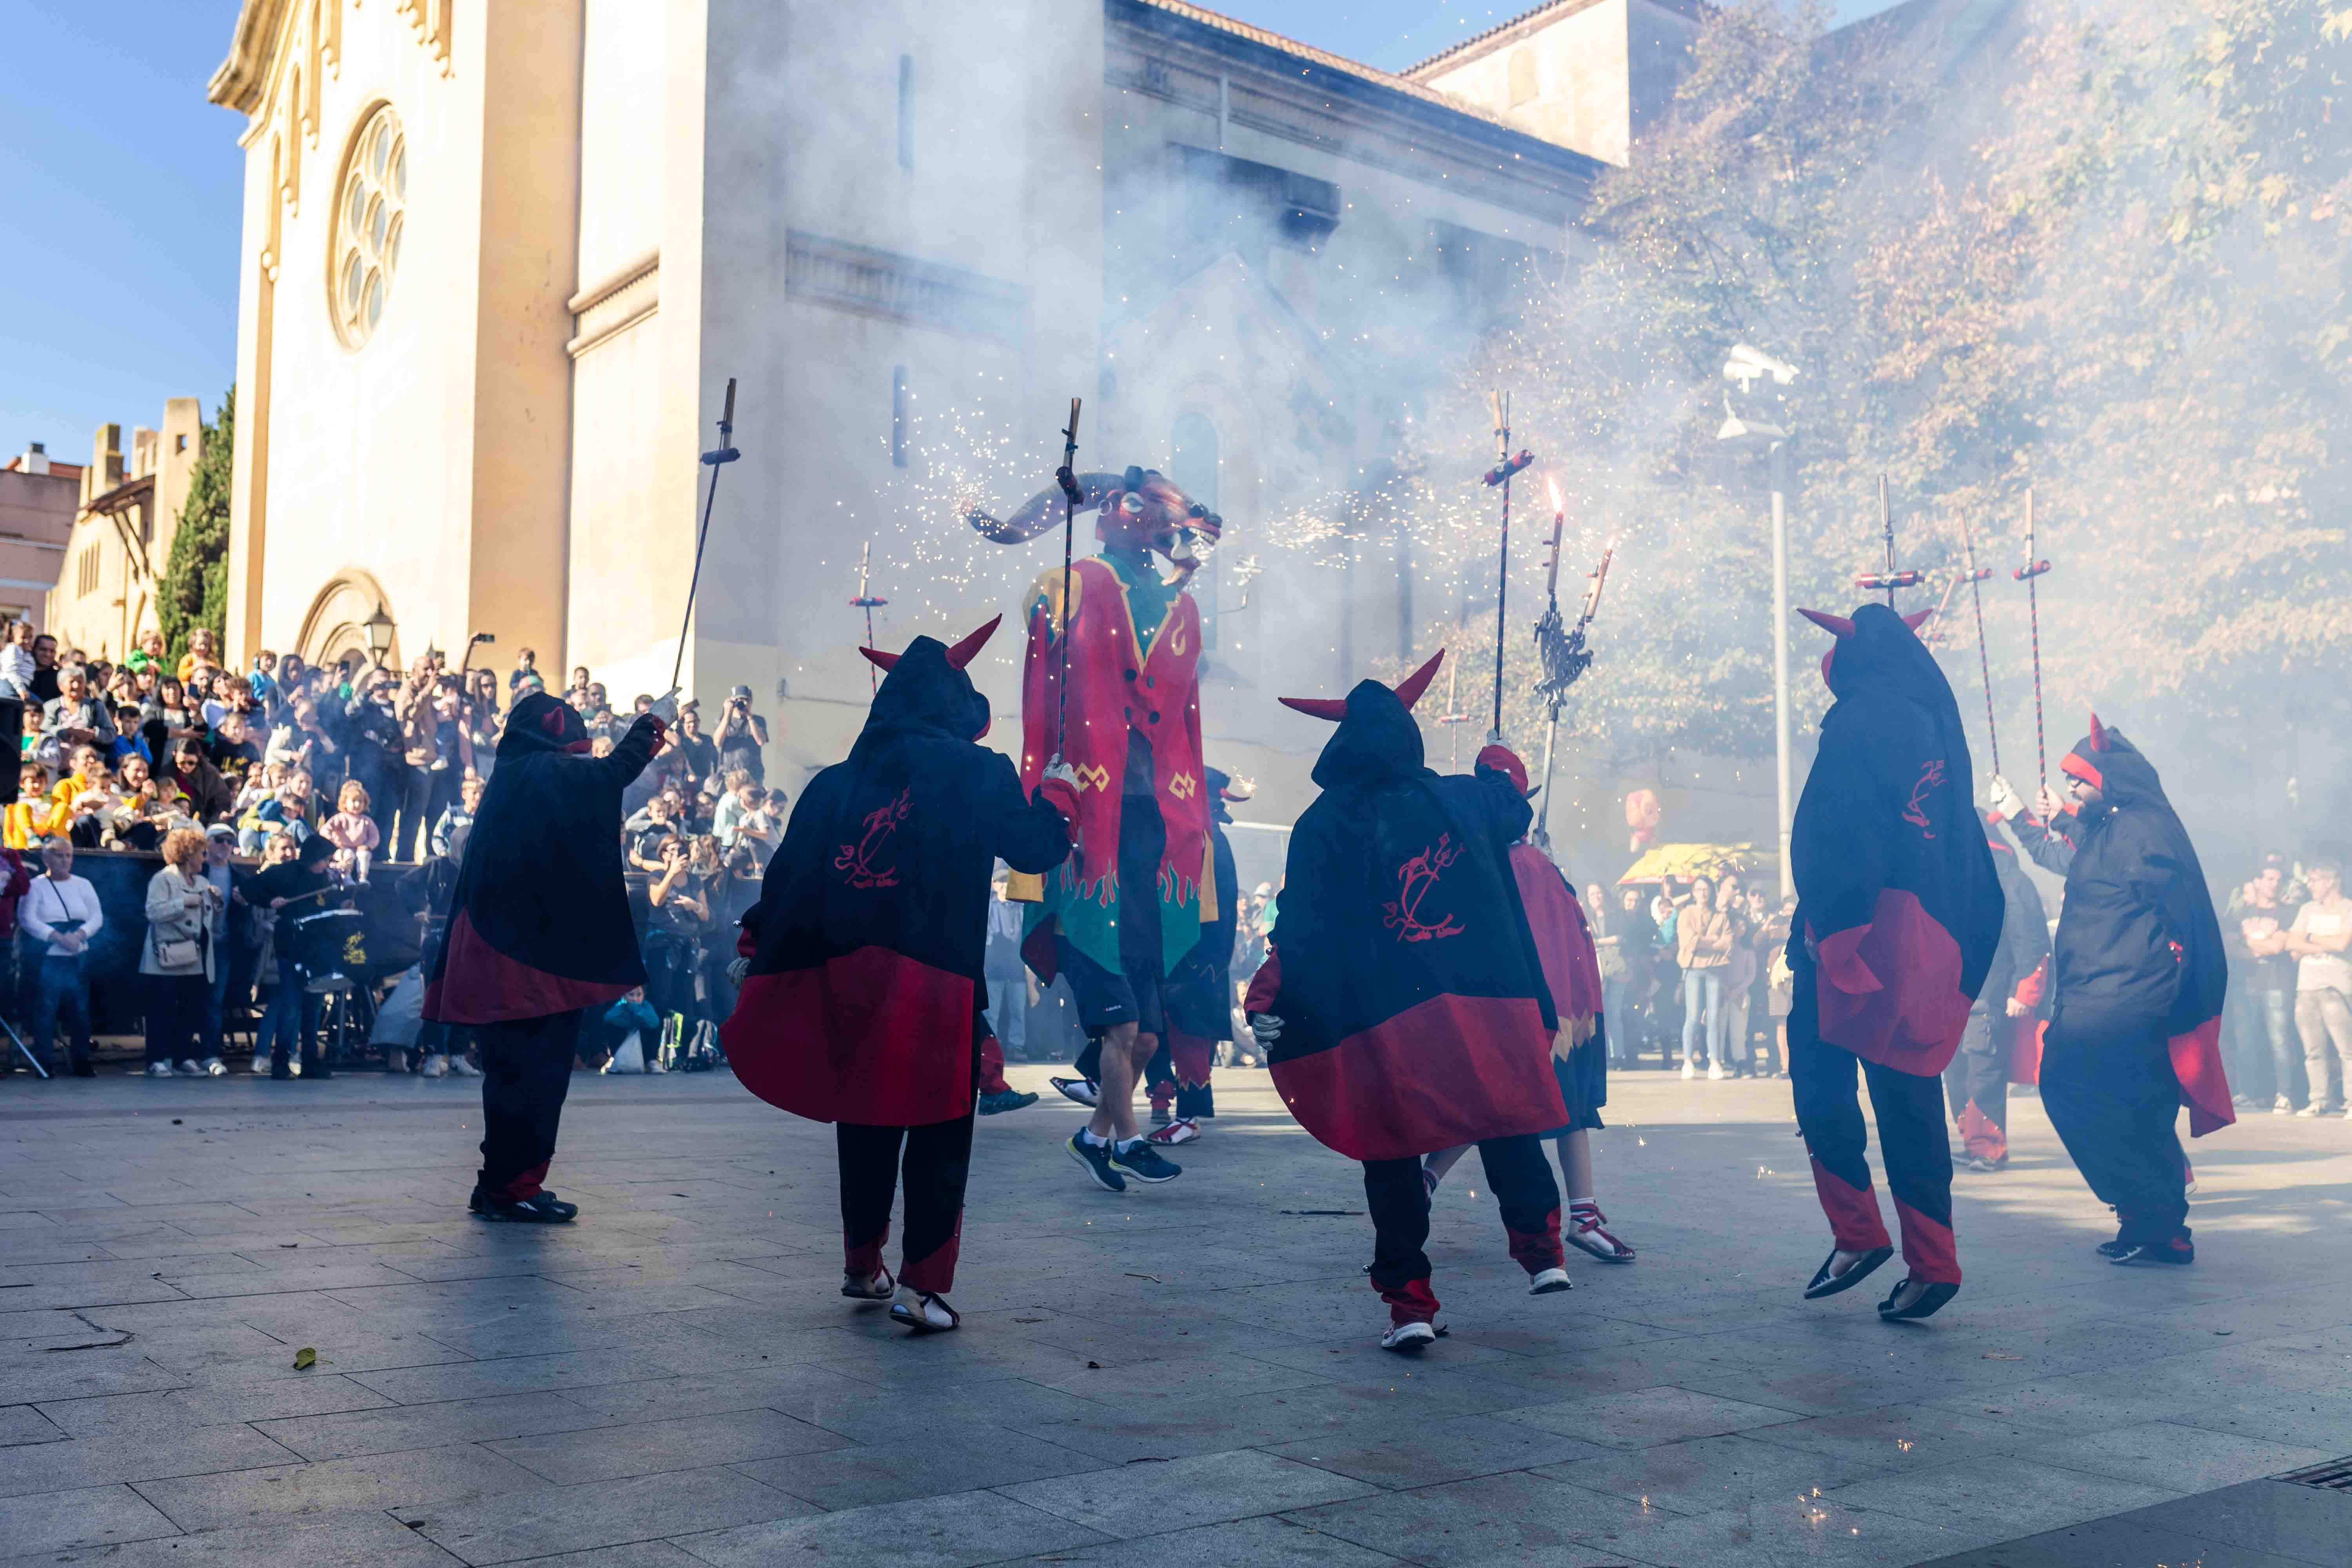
2095	248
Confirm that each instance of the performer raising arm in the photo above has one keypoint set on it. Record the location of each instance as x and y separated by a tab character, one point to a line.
2135	1030
1898	912
864	1003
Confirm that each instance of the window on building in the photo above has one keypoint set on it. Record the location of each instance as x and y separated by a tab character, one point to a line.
1193	464
1233	203
371	216
1523	75
906	111
899	417
179	443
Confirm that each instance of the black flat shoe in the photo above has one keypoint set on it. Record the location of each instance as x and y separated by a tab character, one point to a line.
540	1208
1933	1294
2175	1252
1826	1284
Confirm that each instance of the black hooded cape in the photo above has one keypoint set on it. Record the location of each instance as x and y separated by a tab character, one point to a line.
539	920
865	1001
2137	943
1415	1012
1898	905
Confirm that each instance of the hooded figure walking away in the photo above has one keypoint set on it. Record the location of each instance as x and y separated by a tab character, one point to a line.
1976	1083
1898	912
864	1003
1403	1003
1580	1050
2134	1029
539	931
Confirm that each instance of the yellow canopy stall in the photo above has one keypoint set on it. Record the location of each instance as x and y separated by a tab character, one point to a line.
1680	862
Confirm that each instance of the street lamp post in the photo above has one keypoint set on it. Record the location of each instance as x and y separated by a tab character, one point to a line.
1744	368
378	627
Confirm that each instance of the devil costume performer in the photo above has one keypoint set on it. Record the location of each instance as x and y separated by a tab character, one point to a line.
539	931
2140	975
1402	1003
1976	1082
864	1003
1898	912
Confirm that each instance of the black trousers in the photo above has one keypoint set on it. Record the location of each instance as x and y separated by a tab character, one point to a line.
1978	1077
2112	1097
1911	1137
936	1163
1520	1178
175	1014
526	1073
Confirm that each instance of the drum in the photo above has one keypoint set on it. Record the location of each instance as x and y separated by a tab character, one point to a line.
331	949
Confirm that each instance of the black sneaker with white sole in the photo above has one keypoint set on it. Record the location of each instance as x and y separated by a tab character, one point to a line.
2174	1250
542	1207
1095	1160
1139	1160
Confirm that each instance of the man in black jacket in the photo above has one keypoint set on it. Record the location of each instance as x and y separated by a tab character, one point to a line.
2140	977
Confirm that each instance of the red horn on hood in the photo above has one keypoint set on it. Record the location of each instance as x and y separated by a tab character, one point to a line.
1332	708
961	653
2099	734
1836	626
1410	689
879	658
1918	618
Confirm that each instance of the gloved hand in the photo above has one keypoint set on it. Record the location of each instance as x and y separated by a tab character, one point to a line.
1265	1026
736	968
1060	785
661	730
2004	800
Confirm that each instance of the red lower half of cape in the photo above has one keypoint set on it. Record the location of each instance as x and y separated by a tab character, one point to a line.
479	984
2204	1086
871	1037
1444	1072
1890	991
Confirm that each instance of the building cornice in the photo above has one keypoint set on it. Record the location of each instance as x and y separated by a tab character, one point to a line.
239	82
1512	29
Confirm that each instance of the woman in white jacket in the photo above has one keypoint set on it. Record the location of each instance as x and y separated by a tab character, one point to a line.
177	956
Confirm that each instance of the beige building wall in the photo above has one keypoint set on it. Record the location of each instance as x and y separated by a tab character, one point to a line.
37	503
1587	74
127	514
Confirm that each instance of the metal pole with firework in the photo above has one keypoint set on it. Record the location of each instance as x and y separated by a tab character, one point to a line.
1072	493
1563	651
1975	576
2033	568
1890	579
1500	474
714	459
866	601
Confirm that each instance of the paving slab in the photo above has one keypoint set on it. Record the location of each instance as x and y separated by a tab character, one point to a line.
955	1531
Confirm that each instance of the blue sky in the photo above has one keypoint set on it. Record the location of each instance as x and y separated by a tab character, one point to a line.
117	283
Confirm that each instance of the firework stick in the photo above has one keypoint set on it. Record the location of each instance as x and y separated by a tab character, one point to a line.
1069	523
2033	568
714	459
1984	660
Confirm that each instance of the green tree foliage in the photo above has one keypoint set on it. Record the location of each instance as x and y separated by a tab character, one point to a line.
2099	249
193	591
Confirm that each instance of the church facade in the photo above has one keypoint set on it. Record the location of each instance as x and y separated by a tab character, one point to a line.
501	261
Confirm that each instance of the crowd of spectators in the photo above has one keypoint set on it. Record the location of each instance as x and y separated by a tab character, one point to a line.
231	776
2287	928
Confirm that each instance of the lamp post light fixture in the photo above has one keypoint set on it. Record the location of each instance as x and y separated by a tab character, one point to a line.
379	629
1760	427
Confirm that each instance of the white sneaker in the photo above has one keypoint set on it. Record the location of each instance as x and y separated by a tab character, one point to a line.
1548	1282
260	1068
1715	1073
436	1066
159	1069
188	1067
461	1067
1408	1337
654	1064
216	1068
1689	1072
2282	1105
2311	1109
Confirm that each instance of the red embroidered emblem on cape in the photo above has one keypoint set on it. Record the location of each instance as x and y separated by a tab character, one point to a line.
1916	811
1414	879
881	824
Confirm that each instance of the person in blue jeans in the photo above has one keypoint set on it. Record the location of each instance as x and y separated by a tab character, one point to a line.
2262	993
61	916
292	1020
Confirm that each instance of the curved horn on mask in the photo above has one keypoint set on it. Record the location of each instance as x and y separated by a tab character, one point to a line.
1410	689
1041	512
1918	618
2099	734
876	657
961	653
1836	626
1331	708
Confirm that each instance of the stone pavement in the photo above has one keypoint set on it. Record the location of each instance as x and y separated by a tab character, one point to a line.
1184	1375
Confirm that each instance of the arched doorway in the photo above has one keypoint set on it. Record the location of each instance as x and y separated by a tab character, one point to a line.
335	631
